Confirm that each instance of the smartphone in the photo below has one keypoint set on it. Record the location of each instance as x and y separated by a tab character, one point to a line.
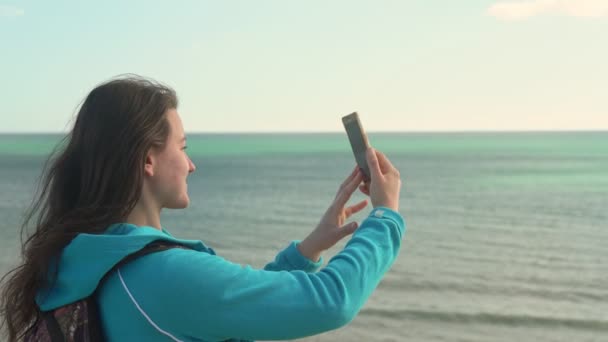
358	142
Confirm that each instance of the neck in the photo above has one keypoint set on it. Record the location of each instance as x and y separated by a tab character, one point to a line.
145	213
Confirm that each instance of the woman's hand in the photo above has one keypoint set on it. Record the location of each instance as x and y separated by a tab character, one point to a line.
332	229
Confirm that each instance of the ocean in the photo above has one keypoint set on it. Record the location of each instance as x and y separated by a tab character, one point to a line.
507	233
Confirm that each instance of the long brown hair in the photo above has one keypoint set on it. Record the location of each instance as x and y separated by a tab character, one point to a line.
92	179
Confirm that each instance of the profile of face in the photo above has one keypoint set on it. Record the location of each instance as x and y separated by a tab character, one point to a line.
166	170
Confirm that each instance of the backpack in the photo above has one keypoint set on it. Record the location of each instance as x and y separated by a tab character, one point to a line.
80	321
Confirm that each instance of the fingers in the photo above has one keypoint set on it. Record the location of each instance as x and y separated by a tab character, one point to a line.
378	162
348	229
372	163
355	208
364	189
350	177
385	164
348	187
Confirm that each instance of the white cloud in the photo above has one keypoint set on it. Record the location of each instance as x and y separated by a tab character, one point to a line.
517	10
10	11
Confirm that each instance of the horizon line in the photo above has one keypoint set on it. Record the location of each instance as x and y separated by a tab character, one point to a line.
585	130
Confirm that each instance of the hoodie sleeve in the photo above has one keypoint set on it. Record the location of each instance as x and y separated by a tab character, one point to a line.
290	259
207	297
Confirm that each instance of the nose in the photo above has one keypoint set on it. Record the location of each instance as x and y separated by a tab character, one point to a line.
191	166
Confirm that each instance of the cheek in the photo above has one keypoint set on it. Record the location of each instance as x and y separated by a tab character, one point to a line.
173	171
179	167
169	172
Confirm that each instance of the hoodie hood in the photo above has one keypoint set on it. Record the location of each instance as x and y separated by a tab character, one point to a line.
88	257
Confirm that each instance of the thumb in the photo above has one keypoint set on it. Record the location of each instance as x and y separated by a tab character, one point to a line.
372	163
349	229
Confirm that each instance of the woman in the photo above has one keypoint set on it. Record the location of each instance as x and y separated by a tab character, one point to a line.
101	199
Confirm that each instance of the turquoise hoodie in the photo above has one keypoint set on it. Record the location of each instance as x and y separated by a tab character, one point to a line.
195	295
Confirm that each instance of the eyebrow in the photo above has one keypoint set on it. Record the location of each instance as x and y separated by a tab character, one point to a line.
183	139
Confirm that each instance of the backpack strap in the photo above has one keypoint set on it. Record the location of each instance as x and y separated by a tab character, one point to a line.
95	331
53	327
152	247
93	307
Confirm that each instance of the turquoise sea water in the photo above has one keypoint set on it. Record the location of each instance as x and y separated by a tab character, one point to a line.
507	232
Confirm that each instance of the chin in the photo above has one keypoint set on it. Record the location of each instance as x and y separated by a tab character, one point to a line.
180	203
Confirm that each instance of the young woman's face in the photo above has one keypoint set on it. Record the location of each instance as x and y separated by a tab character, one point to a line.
171	167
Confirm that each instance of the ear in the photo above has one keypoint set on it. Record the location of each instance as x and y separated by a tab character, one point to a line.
150	164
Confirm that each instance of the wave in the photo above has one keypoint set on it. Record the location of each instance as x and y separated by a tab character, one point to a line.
490	318
575	296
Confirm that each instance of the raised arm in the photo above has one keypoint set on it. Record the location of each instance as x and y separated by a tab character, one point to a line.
215	299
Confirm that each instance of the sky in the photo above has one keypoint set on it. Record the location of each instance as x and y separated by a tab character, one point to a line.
299	66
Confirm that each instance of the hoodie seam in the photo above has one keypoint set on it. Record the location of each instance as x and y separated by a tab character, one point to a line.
124	285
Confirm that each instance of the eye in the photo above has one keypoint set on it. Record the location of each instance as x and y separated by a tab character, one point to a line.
185	147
